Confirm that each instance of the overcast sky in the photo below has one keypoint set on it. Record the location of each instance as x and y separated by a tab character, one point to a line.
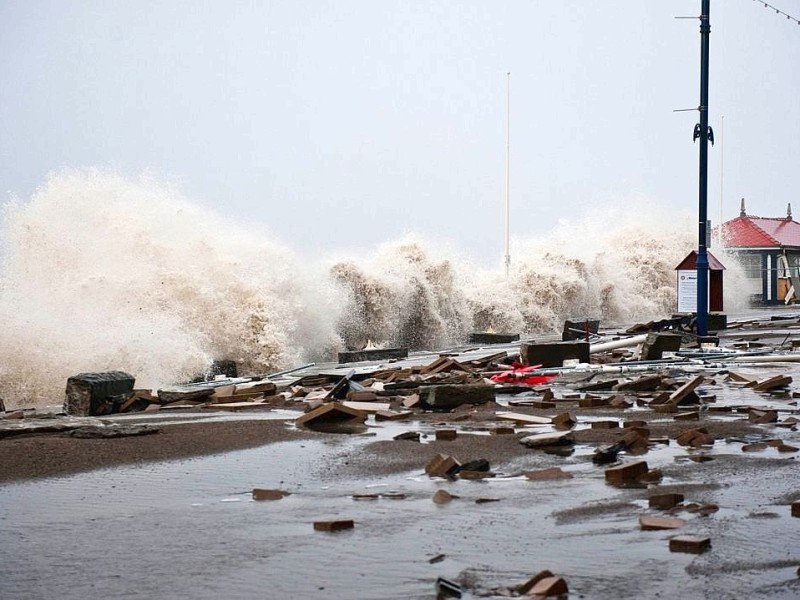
346	123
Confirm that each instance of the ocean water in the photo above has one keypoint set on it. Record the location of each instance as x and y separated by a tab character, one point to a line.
103	272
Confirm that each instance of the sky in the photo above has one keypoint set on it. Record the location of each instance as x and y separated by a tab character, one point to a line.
347	123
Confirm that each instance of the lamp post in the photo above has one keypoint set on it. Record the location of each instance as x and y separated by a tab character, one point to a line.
702	253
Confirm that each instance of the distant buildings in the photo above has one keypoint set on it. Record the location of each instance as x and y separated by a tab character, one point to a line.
769	250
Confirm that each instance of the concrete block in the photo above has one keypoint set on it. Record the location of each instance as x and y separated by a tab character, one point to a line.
689	543
90	394
554	354
658	343
447	397
493	338
626	473
339	525
657	523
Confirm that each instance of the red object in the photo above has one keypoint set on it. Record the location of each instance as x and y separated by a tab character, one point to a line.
761	232
518	373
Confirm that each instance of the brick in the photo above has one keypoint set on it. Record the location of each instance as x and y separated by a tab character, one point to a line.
550	586
442	465
657	343
657	523
665	501
755	447
446	434
648	383
339	525
388	415
362	396
265	494
543	404
796	508
786	448
626	473
686	437
690	544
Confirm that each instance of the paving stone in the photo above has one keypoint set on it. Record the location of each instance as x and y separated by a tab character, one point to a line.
626	473
338	525
665	501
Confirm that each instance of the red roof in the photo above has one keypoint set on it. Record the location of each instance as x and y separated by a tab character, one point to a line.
761	232
690	262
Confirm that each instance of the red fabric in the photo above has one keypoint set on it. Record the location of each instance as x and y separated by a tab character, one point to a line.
519	373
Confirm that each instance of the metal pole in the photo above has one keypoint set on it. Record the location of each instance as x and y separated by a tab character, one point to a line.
721	173
702	254
508	159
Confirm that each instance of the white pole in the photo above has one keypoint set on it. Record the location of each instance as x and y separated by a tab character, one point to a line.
508	158
721	175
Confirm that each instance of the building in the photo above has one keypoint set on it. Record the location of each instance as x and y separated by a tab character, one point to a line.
769	250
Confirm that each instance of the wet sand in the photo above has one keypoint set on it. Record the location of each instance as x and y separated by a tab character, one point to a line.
27	457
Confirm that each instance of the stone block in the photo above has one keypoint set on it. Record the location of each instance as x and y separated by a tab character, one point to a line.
658	343
626	473
689	543
493	338
448	397
90	394
554	354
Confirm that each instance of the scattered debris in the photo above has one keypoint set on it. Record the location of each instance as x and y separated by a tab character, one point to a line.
267	494
339	525
690	544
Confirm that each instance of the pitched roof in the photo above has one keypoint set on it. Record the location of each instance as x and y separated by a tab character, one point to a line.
690	262
761	232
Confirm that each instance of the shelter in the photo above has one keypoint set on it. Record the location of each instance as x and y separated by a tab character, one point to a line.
687	283
769	250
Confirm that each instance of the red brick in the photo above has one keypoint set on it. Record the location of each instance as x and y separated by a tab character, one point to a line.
605	425
796	508
665	501
441	465
548	474
446	434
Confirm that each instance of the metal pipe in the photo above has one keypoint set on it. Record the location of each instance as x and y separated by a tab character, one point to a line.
613	345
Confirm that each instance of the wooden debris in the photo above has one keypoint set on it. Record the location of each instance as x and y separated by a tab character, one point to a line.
551	474
442	465
540	440
329	412
523	419
626	473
